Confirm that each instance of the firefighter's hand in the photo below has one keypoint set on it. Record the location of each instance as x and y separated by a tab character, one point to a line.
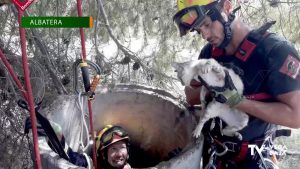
79	159
229	97
56	127
192	93
28	126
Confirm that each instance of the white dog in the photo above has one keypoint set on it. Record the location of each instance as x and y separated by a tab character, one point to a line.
214	75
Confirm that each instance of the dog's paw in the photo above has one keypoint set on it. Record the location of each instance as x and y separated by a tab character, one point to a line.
238	136
232	132
212	65
197	131
219	72
206	67
217	69
196	134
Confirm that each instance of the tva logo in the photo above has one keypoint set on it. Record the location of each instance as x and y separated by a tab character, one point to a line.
253	147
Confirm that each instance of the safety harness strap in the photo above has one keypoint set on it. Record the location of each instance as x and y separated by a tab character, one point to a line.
216	52
249	44
259	96
228	84
45	124
283	132
252	40
243	152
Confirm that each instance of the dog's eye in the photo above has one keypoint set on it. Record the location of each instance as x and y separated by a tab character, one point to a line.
175	71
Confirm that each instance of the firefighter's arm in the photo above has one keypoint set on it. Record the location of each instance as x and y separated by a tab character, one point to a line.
285	112
75	158
283	83
79	159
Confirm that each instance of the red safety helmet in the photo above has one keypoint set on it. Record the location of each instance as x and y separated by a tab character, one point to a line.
109	135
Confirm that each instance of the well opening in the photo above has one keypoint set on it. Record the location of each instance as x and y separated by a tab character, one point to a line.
155	120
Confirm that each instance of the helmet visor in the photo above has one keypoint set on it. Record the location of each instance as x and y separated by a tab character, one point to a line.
189	18
108	136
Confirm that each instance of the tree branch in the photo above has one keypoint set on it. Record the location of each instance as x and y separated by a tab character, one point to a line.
127	52
57	83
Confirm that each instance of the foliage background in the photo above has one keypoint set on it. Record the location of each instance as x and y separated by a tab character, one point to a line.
132	40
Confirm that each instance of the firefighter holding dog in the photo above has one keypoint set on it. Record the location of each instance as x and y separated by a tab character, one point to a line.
269	67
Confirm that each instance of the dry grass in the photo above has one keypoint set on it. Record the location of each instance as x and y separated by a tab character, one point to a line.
293	145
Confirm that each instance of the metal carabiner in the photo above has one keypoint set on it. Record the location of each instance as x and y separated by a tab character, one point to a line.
84	65
265	162
224	147
210	164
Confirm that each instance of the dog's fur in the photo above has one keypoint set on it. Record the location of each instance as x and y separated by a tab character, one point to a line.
213	74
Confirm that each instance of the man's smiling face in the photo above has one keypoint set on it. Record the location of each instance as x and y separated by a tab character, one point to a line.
117	154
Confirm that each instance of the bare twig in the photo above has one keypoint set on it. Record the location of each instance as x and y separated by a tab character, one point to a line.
127	52
280	22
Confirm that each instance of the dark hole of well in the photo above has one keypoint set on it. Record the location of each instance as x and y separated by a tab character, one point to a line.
139	158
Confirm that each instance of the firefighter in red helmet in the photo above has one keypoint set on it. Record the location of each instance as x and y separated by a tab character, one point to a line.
112	145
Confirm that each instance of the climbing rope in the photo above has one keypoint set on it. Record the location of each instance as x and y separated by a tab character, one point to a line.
79	10
27	91
84	127
89	88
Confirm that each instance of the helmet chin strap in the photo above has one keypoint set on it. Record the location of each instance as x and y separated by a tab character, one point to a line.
227	28
227	34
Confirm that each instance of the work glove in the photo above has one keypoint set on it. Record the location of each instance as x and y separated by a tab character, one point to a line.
226	94
28	126
57	129
41	133
79	159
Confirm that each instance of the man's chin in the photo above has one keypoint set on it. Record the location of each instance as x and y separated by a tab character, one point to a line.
215	45
120	164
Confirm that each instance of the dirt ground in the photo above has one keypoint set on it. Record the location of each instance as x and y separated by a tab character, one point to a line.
293	145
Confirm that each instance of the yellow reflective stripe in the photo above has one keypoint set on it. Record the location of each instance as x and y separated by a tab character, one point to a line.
189	18
98	137
107	137
83	64
181	4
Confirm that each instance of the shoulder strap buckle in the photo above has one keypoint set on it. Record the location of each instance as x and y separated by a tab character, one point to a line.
253	38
